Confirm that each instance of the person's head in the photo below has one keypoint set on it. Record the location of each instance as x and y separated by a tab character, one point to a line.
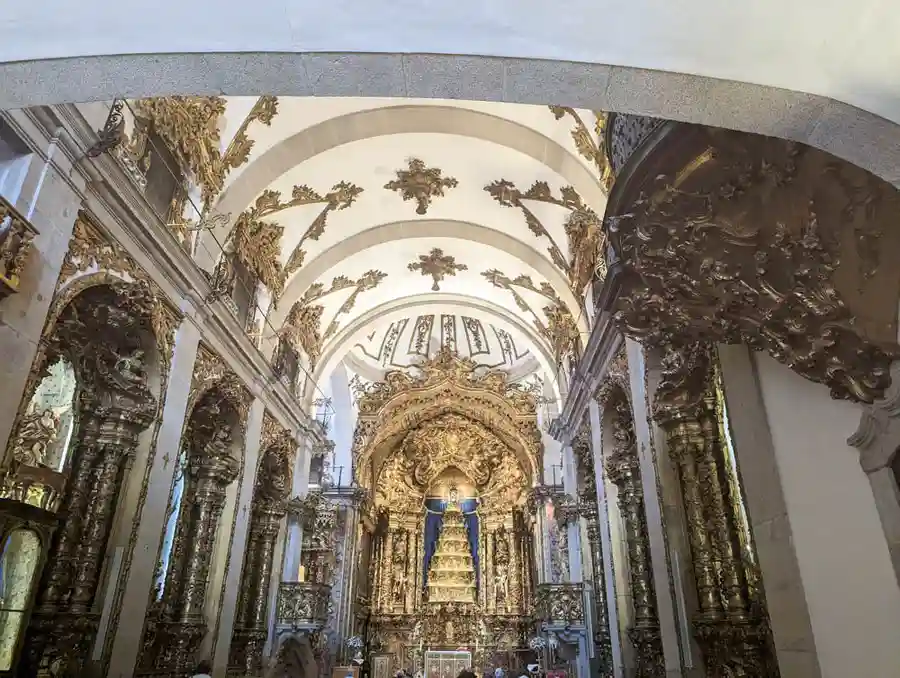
204	667
466	673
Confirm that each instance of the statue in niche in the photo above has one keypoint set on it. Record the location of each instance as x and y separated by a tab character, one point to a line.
37	433
399	586
501	579
449	632
501	552
219	445
131	366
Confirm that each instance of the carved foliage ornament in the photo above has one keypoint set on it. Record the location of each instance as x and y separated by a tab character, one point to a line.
421	184
303	325
583	228
590	149
762	241
190	126
437	265
556	325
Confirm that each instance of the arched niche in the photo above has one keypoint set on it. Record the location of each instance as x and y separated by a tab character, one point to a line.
102	363
195	540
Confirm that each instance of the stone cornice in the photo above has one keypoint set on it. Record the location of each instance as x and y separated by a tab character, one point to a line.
124	211
602	346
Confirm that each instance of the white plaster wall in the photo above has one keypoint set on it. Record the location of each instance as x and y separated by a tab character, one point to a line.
844	50
851	590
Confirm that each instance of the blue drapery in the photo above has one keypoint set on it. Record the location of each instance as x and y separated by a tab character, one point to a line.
434	523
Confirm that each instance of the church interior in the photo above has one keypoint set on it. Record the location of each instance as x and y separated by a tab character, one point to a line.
348	386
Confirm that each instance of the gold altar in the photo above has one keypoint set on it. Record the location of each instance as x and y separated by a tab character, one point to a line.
451	565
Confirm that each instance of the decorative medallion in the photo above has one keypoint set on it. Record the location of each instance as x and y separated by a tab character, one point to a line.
437	265
421	184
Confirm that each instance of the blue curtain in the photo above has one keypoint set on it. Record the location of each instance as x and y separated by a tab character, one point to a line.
468	507
434	521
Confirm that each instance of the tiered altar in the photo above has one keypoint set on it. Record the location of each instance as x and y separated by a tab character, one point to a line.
452	556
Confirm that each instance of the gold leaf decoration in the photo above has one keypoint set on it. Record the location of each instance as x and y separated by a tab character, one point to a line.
589	149
257	243
421	184
437	265
303	323
583	227
557	325
190	128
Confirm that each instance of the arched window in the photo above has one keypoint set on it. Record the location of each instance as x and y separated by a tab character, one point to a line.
45	434
18	567
174	513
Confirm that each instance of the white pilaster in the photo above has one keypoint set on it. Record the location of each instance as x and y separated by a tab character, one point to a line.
127	640
609	580
848	578
662	580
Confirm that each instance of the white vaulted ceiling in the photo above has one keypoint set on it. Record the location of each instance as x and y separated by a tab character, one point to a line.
368	264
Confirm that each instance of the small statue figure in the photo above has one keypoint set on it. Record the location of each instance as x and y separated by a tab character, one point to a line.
220	443
399	587
502	583
131	367
36	434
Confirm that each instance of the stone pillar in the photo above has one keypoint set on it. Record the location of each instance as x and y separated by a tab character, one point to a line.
604	578
50	197
826	495
571	522
669	628
624	470
769	521
127	636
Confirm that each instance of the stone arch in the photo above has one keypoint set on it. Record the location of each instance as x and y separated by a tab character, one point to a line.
846	130
404	307
428	228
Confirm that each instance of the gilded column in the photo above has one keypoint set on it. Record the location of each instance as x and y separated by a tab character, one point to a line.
386	582
115	406
733	644
410	570
623	468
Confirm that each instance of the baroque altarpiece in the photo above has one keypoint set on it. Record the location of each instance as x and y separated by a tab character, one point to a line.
449	455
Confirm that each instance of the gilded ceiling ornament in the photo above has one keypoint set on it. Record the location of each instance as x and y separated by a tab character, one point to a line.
745	242
190	126
437	265
584	231
421	184
592	150
302	326
258	243
556	324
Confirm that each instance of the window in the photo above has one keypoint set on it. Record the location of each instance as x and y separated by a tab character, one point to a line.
164	176
45	433
15	158
174	513
316	469
18	566
244	292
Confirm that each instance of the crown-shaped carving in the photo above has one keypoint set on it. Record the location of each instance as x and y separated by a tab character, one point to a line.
445	366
